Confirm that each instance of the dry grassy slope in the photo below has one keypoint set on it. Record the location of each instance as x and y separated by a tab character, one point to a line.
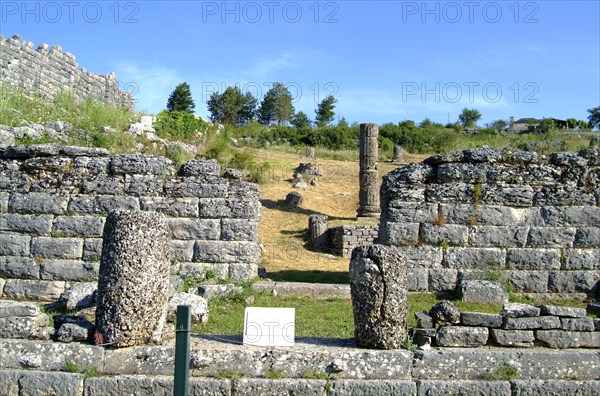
282	230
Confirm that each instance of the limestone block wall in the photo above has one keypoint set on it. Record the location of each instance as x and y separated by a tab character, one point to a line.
54	201
488	214
47	71
343	239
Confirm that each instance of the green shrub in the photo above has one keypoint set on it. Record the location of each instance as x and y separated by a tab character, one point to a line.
179	125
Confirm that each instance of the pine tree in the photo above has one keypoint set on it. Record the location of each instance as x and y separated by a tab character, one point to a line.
325	111
181	99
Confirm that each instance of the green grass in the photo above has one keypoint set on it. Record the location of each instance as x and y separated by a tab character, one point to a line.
316	318
15	108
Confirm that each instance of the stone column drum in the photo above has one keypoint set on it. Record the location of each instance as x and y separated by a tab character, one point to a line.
378	286
133	280
317	228
369	177
398	154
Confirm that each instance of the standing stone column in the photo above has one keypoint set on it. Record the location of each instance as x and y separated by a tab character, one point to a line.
133	280
378	286
398	155
310	152
317	228
369	177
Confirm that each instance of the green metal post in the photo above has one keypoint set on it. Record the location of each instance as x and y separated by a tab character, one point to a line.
182	350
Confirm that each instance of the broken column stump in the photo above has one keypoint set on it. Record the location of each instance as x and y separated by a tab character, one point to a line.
378	285
133	279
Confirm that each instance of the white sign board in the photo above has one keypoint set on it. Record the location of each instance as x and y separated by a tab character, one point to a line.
269	326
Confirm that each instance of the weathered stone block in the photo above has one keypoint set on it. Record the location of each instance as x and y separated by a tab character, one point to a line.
424	321
37	203
479	319
57	248
474	258
577	324
460	172
573	281
484	215
412	213
528	281
483	388
67	270
92	249
199	307
485	292
399	195
239	230
580	259
457	336
561	237
33	289
364	387
451	193
20	354
4	202
518	310
568	312
573	216
19	268
444	313
260	386
568	339
587	237
27	224
533	259
532	323
174	207
182	251
513	338
378	286
452	234
242	271
194	229
80	295
139	164
442	279
491	236
241	189
46	383
516	196
78	226
559	196
206	187
101	204
549	387
399	234
201	168
14	245
79	330
230	208
417	279
133	281
422	256
143	185
103	184
227	252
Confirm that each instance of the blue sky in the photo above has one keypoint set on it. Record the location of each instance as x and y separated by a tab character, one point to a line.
385	61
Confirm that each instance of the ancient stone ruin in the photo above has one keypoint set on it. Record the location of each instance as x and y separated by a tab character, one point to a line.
133	280
379	297
54	202
490	214
48	71
368	177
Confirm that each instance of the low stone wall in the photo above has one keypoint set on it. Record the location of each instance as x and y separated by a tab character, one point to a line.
488	214
54	201
312	367
518	325
47	71
343	239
